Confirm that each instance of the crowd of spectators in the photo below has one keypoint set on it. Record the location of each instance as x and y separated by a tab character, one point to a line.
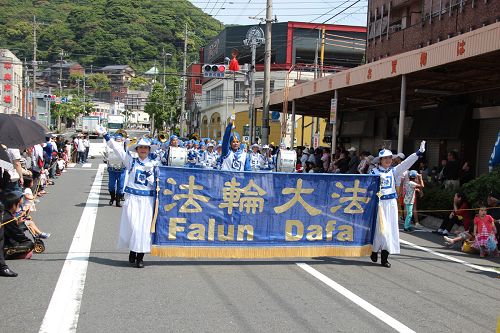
449	175
21	189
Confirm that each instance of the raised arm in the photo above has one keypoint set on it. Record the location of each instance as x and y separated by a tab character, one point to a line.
225	140
409	161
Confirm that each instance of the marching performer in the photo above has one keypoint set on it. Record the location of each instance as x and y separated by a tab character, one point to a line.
269	158
137	214
256	159
233	158
209	158
387	230
116	172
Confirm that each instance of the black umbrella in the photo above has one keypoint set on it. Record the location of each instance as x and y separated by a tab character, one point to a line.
5	160
19	132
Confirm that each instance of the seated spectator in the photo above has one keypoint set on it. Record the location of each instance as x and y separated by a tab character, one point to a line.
485	231
460	215
325	159
4	269
466	174
451	172
16	244
462	237
364	163
342	164
353	161
493	203
423	169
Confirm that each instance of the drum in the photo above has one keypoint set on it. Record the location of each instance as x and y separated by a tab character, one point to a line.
177	156
286	160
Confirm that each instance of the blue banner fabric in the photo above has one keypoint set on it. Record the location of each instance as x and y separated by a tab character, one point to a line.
210	213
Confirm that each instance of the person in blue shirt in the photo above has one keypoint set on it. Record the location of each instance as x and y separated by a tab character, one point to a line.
233	158
495	155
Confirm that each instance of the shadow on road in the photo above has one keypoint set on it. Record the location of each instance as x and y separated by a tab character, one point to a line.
229	262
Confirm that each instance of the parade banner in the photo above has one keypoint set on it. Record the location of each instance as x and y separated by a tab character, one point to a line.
210	213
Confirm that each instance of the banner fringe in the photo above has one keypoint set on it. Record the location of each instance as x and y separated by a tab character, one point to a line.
260	252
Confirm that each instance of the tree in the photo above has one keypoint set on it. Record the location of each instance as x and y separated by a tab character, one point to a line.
163	103
138	83
98	82
74	79
72	109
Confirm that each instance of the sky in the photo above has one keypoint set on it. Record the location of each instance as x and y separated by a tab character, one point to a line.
346	12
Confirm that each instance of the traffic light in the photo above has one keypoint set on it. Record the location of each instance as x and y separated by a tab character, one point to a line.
216	71
49	98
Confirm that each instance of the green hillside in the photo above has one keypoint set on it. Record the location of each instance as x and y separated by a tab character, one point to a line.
103	32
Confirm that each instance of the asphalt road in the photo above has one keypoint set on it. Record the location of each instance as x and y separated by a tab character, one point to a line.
422	292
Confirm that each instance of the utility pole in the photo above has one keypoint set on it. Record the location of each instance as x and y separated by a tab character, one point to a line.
33	95
253	116
164	55
26	84
60	86
183	92
84	82
267	74
255	38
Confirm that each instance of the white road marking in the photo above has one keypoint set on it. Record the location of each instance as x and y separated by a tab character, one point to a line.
64	308
460	261
87	165
71	165
379	314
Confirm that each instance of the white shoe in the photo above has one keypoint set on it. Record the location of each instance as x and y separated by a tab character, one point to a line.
445	233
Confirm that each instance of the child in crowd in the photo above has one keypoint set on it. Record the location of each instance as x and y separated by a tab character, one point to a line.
29	198
485	231
410	187
28	206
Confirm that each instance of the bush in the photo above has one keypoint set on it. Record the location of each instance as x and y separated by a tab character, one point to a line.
478	189
435	198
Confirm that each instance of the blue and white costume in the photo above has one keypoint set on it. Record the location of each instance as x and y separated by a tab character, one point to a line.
232	160
387	238
209	159
137	213
257	160
116	172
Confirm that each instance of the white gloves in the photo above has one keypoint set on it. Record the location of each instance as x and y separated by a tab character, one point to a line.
100	130
422	147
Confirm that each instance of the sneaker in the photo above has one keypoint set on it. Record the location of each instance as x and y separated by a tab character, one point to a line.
409	230
445	233
44	235
439	231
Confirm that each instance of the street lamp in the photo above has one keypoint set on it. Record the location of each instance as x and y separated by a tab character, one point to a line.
153	71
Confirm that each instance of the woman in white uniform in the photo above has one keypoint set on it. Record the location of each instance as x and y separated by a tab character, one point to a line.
233	157
386	237
137	213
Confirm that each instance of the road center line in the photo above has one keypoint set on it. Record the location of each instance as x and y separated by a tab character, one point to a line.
64	307
460	261
379	314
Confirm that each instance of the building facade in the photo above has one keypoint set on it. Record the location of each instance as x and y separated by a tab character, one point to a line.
397	26
296	57
11	83
119	75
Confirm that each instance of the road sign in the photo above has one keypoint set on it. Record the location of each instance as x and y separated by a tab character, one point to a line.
316	140
333	111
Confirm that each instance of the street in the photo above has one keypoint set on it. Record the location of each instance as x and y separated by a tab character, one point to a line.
92	288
